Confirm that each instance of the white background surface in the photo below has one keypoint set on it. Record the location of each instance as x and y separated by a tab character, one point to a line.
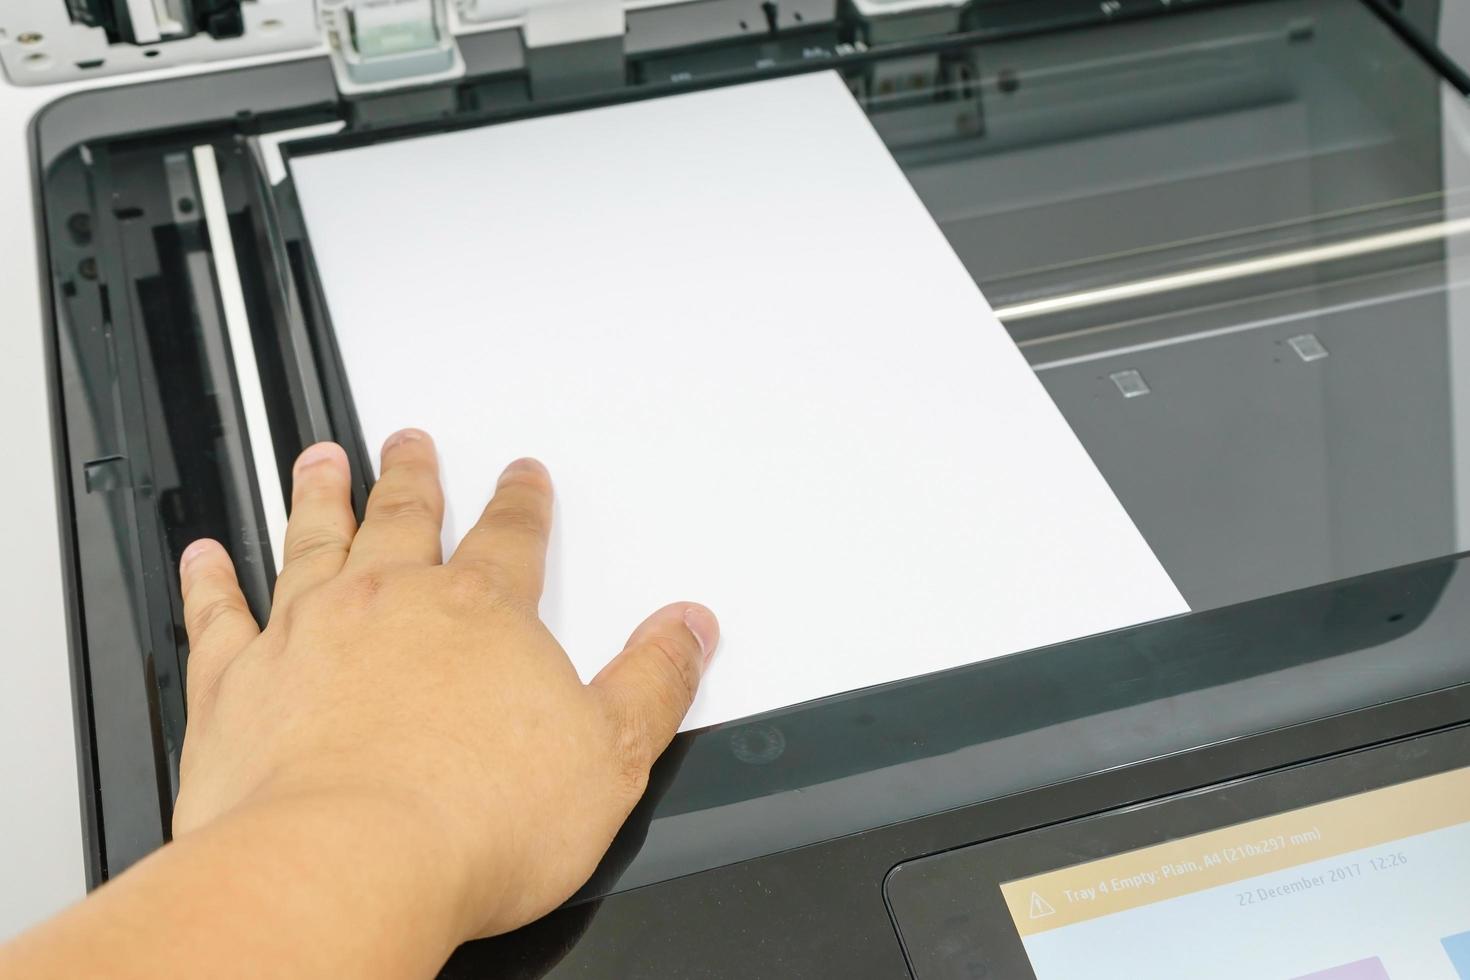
667	303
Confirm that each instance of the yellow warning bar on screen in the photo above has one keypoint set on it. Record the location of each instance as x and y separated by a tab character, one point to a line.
1245	850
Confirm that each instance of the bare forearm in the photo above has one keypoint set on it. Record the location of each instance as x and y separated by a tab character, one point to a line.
404	758
303	888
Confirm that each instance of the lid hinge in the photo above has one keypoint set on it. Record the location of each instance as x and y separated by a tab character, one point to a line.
378	45
574	47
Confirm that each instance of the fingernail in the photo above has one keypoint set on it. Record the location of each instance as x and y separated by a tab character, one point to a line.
705	627
522	466
402	436
320	452
192	552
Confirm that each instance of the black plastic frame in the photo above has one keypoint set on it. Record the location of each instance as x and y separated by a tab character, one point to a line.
821	911
88	787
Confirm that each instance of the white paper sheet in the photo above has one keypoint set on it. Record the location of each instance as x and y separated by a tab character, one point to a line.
761	379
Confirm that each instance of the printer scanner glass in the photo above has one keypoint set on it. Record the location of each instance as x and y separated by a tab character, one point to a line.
1078	160
1366	887
1056	162
1090	161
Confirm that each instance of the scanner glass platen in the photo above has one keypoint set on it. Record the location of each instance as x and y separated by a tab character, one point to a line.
1174	200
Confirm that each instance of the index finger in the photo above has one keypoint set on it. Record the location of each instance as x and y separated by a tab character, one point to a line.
510	538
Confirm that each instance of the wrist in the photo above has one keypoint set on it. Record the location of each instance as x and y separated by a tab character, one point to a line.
378	855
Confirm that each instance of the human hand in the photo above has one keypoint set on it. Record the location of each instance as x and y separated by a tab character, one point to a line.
426	696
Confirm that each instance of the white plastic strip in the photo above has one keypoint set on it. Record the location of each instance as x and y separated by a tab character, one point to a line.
242	349
145	21
1236	270
1275	321
270	146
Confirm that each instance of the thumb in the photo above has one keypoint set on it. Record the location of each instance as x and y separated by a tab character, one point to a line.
216	617
652	683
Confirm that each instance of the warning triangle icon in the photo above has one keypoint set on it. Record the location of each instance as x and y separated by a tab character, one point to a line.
1040	907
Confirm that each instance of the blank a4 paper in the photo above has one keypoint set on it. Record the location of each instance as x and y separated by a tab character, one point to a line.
759	375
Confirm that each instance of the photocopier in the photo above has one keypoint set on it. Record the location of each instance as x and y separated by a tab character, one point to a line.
1232	239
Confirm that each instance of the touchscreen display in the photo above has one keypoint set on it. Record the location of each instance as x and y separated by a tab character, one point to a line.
1367	887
